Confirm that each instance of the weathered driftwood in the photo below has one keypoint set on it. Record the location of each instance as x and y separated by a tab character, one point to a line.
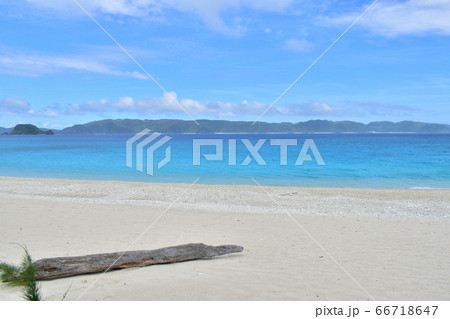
51	268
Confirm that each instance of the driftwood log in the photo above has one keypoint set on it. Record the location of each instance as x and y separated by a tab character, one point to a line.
52	268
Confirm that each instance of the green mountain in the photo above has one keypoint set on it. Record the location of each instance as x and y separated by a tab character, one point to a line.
129	126
28	129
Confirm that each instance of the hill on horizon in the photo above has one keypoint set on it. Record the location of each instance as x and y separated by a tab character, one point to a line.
131	126
28	129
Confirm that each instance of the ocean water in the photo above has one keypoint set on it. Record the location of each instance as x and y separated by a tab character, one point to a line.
351	160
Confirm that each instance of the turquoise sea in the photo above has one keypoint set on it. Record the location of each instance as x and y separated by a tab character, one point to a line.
351	160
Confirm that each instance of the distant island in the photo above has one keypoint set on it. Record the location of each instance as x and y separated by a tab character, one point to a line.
28	129
132	126
129	126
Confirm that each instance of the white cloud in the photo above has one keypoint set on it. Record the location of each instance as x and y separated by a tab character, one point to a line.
210	11
149	105
395	18
36	64
165	105
298	45
46	112
229	109
14	106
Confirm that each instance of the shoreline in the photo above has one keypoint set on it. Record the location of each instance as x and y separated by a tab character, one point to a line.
393	242
403	203
225	185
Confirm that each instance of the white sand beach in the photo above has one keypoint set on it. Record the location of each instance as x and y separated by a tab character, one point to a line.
394	243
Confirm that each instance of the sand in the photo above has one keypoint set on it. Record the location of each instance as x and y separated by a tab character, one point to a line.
393	243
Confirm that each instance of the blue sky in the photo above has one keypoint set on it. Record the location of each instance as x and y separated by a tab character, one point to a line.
223	59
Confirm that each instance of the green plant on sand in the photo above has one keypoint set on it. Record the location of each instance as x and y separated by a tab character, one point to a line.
23	276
